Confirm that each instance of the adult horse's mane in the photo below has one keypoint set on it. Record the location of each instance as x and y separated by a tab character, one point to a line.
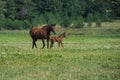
48	25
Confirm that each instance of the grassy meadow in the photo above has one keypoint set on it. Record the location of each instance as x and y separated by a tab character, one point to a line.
88	54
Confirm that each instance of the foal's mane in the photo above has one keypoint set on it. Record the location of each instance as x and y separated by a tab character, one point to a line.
61	34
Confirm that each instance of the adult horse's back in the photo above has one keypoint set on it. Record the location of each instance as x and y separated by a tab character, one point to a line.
42	33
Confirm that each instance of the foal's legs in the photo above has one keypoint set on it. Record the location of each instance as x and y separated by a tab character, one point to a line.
61	44
58	44
43	43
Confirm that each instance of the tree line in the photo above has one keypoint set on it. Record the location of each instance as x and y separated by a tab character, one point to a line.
23	14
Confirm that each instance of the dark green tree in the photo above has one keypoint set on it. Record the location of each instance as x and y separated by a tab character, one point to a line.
10	9
65	12
2	9
115	9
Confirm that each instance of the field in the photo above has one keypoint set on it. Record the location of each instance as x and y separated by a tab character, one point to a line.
88	54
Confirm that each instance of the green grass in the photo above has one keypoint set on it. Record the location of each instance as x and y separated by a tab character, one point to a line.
88	54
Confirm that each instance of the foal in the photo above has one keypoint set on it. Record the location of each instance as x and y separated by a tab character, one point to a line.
57	39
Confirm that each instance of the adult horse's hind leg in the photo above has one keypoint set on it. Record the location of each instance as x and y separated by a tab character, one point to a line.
43	43
34	43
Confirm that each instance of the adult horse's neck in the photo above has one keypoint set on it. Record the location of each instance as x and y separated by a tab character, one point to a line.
47	29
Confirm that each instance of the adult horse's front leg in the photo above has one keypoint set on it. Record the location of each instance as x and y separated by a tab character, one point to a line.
43	43
47	43
51	43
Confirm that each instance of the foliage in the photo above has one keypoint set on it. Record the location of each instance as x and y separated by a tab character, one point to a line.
98	22
2	9
66	21
78	22
6	23
90	19
38	12
98	19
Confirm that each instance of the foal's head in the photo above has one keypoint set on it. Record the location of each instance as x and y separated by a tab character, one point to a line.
64	35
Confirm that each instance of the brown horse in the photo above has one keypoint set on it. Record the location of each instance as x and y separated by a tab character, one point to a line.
57	39
41	33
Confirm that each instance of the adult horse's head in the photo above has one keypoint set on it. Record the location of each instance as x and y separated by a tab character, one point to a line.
52	28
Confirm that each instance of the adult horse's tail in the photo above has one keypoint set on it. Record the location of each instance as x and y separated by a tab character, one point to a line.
31	32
